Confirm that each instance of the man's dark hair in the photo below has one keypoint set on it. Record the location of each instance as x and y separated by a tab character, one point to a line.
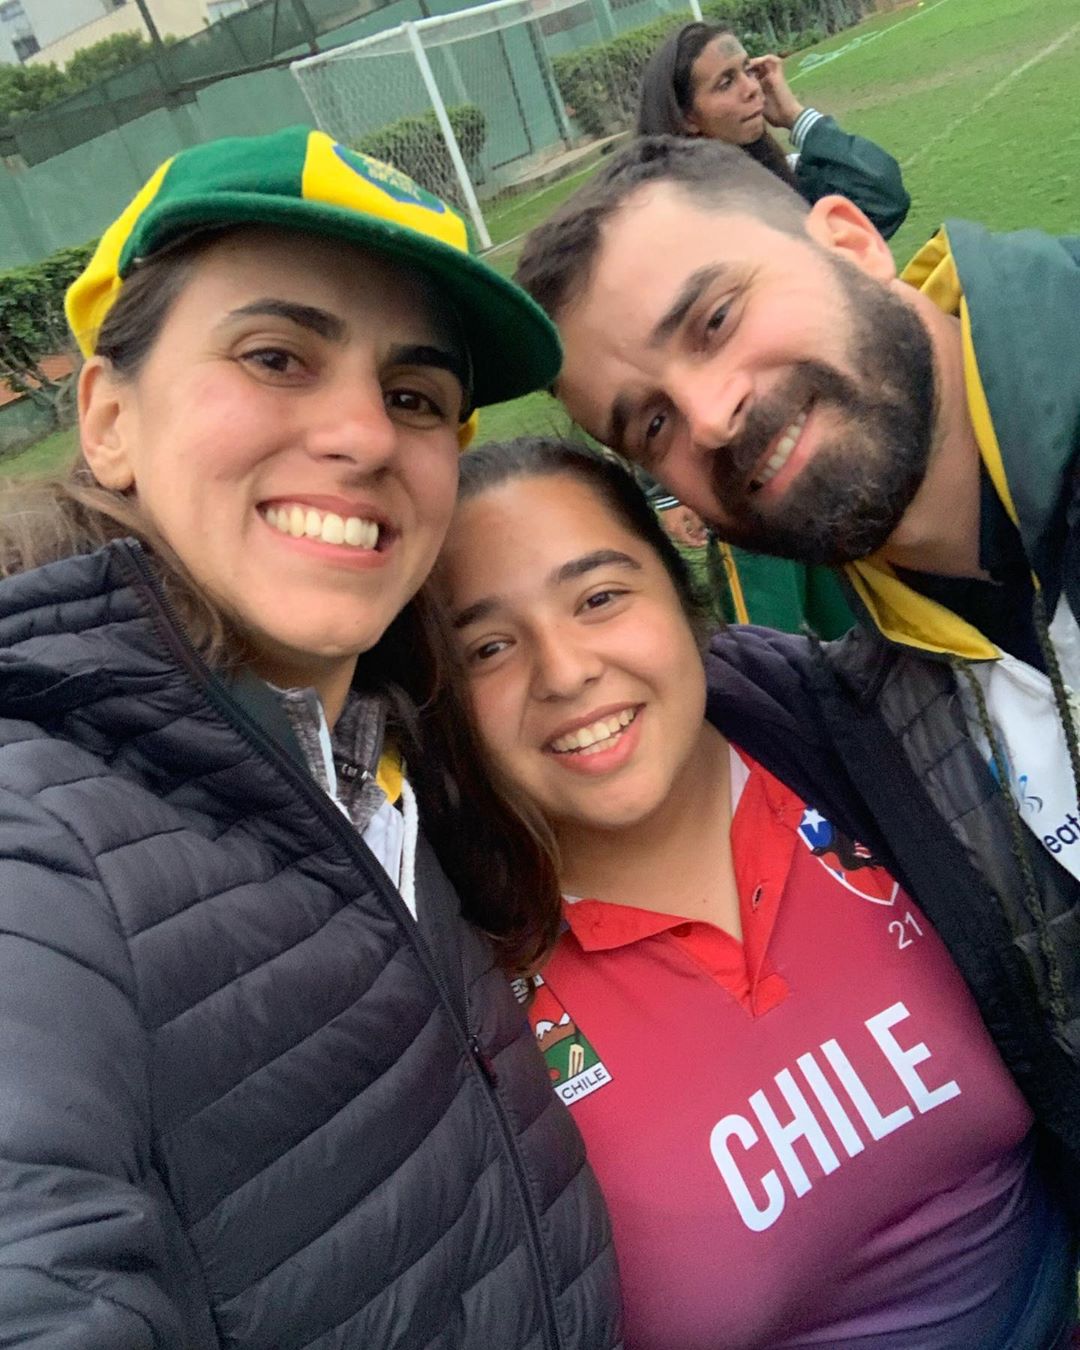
559	254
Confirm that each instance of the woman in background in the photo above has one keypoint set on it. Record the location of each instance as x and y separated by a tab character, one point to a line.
701	82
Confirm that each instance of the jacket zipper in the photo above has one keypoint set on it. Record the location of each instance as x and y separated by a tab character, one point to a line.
193	663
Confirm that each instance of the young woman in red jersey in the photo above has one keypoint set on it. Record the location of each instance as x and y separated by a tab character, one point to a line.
805	1133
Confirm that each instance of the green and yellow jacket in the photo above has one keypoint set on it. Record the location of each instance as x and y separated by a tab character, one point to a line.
1018	300
745	587
918	662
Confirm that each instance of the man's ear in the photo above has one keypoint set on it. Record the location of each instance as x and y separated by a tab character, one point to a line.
841	227
103	400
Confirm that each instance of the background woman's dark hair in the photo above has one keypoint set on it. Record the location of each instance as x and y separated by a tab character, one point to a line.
503	870
667	94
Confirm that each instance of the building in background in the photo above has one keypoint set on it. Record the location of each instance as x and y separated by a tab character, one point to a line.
36	31
28	25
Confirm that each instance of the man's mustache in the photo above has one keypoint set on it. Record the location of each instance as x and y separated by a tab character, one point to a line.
810	382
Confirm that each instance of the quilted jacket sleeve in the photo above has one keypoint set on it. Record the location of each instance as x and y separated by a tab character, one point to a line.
81	1241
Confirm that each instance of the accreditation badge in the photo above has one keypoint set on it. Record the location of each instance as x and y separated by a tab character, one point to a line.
1024	714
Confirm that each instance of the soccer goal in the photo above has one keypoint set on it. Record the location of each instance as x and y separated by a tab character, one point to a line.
487	105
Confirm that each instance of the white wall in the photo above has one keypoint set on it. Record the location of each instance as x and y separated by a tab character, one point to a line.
62	27
52	19
49	20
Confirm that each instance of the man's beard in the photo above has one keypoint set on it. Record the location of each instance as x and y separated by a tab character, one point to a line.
853	493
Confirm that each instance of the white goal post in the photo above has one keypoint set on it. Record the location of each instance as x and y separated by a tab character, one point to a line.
469	104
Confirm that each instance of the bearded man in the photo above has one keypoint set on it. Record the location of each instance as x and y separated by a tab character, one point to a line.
762	358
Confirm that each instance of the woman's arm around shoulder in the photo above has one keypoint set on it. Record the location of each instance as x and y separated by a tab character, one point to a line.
81	1239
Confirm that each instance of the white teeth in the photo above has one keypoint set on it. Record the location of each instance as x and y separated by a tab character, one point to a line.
305	522
781	454
596	736
361	533
333	529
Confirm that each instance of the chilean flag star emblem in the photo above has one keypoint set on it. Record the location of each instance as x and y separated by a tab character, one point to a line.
851	863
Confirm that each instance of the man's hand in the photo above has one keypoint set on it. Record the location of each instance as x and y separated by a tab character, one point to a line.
782	108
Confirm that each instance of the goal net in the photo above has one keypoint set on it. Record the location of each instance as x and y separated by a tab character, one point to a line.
489	105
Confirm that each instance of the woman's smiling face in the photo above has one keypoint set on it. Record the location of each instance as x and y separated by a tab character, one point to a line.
292	434
583	671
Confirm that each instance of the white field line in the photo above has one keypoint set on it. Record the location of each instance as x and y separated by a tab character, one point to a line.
990	95
854	46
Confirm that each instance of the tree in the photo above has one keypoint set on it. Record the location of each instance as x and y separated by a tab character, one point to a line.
28	89
105	58
33	326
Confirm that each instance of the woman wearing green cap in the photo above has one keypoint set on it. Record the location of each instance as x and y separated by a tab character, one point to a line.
260	1084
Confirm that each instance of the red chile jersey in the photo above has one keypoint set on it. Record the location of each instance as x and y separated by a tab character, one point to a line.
806	1138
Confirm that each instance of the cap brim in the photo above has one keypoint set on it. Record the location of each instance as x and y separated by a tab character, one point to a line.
513	344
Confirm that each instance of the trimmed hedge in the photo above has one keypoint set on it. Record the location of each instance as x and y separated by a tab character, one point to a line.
415	146
600	84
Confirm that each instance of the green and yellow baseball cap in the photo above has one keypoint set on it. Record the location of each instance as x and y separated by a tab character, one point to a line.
301	179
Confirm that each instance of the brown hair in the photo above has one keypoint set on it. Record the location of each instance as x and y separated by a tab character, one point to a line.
559	254
667	94
47	519
502	868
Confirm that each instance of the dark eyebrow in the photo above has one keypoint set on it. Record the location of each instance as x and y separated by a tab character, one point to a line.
732	66
567	571
601	557
319	321
474	613
686	299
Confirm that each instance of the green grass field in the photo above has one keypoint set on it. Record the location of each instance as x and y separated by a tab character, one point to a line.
978	99
44	456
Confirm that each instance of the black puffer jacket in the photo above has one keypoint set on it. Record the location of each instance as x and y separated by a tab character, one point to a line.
243	1102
